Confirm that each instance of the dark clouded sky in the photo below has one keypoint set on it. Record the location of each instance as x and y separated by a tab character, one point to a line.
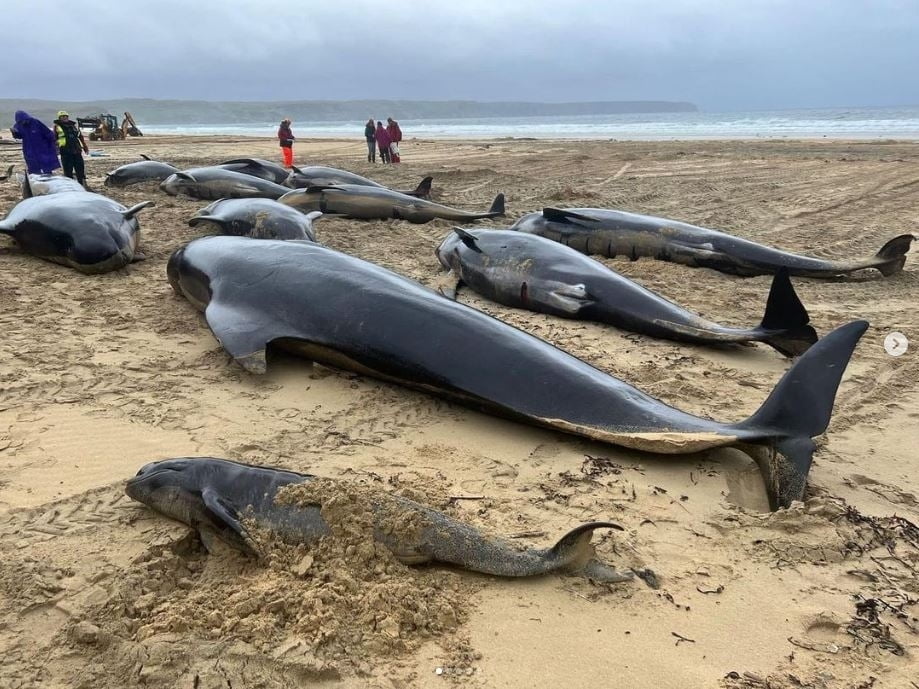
719	54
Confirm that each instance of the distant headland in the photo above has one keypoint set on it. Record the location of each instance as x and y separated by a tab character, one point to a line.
150	111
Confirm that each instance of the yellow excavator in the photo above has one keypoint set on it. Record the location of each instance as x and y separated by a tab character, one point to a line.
104	127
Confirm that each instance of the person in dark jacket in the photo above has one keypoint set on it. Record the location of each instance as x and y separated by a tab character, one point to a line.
370	133
39	148
286	139
71	145
395	136
382	137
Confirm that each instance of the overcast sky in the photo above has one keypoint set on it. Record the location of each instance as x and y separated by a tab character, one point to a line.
719	54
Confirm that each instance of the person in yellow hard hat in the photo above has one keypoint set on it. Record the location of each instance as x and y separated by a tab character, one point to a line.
72	145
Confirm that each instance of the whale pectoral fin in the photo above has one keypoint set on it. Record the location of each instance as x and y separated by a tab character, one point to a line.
571	298
558	296
223	512
244	335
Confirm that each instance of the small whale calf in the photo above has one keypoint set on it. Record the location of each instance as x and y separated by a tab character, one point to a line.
227	500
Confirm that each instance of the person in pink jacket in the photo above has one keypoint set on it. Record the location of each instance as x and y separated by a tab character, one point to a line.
383	142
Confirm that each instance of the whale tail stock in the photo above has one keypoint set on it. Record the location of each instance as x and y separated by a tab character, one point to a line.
892	255
786	318
457	544
797	410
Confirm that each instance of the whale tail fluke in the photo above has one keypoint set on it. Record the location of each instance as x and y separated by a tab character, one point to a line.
787	318
893	254
497	206
797	410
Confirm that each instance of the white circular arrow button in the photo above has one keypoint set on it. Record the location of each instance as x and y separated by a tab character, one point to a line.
896	343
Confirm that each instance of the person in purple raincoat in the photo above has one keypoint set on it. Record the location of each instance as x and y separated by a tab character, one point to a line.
39	145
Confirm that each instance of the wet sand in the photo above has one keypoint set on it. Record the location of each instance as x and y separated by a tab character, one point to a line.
99	375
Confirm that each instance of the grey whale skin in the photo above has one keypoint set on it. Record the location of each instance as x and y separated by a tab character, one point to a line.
211	494
85	231
339	310
618	233
139	172
213	183
257	218
378	203
319	175
531	272
257	167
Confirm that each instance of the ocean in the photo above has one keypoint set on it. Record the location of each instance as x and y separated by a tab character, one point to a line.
830	123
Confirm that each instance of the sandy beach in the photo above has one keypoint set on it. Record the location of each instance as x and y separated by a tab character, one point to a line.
101	374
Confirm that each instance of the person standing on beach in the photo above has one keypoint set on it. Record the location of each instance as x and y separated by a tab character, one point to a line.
370	134
286	140
382	137
72	146
395	136
39	148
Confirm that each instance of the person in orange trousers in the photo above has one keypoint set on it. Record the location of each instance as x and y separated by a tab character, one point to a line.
286	139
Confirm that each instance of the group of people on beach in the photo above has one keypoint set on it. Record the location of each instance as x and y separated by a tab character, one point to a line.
386	139
45	150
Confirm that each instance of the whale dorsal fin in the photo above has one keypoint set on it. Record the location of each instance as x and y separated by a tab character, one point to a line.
320	187
468	239
562	215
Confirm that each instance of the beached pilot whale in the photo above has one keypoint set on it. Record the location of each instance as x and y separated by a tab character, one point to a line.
344	312
617	233
257	167
257	218
145	170
212	183
378	203
225	499
87	232
40	185
319	175
531	272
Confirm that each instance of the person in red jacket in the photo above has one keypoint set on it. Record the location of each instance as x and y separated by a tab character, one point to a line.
383	142
286	140
395	136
